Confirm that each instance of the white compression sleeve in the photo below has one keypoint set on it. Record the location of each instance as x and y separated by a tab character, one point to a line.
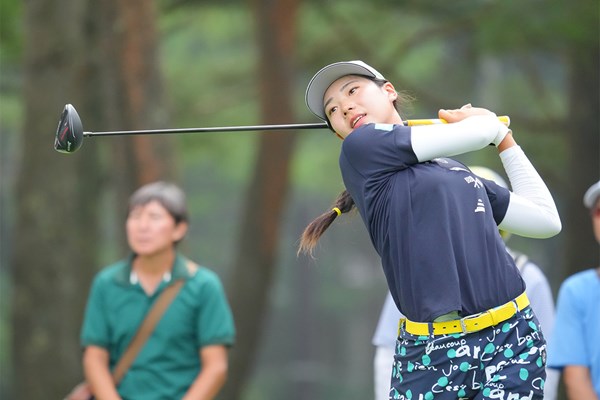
445	140
531	211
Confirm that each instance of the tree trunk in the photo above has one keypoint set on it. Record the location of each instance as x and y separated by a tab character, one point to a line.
583	132
255	260
132	99
58	197
55	229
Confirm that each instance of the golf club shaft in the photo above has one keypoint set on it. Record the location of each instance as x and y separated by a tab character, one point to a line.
320	125
211	129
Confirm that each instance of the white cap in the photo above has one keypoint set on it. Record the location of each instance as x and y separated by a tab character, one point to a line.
487	173
591	195
327	75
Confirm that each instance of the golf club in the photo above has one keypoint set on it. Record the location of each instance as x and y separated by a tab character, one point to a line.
70	134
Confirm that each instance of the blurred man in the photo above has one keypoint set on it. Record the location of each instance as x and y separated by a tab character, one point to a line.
574	348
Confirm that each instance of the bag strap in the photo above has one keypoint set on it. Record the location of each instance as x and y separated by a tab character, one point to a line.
145	330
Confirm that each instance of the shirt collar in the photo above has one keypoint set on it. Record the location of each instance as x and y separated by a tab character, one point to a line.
179	270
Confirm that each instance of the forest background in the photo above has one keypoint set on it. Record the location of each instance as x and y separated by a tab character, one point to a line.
304	325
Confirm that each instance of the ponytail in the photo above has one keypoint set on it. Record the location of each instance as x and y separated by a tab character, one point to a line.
319	225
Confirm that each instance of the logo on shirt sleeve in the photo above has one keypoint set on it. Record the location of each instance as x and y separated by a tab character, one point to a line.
480	206
475	181
384	127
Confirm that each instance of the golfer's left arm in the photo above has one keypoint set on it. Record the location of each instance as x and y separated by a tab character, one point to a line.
531	210
213	374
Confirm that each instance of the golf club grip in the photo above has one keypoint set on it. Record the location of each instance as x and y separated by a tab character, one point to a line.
505	119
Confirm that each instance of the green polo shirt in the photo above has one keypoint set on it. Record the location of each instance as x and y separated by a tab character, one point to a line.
169	361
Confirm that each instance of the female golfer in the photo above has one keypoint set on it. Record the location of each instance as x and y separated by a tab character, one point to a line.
469	331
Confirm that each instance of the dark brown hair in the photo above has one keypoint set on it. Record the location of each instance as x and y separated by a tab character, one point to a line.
319	225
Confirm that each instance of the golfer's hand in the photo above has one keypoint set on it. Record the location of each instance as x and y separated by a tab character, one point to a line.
461	113
467	111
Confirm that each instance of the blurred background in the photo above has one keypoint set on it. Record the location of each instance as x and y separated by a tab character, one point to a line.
304	325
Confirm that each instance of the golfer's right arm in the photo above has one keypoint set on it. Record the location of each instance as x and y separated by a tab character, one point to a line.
97	373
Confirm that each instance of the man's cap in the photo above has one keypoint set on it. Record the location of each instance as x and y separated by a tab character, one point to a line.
489	174
591	195
327	75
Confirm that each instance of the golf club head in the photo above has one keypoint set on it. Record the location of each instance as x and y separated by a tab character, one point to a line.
69	134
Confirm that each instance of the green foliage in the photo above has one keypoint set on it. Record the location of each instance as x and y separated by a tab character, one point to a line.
10	73
5	332
208	62
572	23
315	166
208	59
10	32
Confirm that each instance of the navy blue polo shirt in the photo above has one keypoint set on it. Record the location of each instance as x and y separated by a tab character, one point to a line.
434	225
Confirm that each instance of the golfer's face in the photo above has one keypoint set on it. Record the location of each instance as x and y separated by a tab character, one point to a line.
151	230
352	101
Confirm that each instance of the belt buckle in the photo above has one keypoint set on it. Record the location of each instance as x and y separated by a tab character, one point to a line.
514	302
463	326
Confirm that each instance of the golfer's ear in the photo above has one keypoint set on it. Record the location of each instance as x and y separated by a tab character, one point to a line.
391	90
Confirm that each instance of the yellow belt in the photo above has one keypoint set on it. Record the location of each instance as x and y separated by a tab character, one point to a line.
472	323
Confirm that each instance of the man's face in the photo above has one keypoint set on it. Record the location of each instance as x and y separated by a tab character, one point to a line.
151	229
